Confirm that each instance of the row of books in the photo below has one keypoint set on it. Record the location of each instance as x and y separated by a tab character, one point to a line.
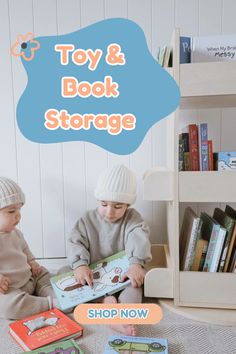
195	150
197	49
52	332
208	243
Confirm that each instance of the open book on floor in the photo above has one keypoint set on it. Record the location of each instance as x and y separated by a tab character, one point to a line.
107	274
125	344
44	328
66	347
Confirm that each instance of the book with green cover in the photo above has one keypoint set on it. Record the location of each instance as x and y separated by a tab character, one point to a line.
107	274
228	223
66	347
125	344
214	233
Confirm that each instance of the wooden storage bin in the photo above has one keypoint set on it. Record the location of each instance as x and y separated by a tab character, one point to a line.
159	278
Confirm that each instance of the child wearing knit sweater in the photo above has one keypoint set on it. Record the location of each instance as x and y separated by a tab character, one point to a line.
24	285
110	228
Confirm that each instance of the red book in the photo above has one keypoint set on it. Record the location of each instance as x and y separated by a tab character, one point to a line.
210	156
43	328
194	147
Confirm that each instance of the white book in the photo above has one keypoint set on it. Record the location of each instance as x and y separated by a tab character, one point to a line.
213	48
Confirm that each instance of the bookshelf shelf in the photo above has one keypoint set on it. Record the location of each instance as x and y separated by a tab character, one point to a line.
214	186
202	85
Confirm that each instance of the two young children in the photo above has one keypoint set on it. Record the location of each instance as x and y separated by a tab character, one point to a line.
111	227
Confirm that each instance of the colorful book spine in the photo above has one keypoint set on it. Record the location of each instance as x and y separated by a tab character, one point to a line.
194	147
210	156
203	146
199	255
214	248
185	50
181	153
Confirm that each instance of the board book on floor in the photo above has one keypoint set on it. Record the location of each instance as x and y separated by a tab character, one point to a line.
44	328
107	275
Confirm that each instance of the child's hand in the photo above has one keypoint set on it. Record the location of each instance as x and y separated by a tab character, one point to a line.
36	268
136	274
83	275
4	284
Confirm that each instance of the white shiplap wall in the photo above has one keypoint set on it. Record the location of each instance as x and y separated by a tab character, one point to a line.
58	179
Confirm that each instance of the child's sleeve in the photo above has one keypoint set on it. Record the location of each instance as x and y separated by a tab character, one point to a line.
25	247
78	246
137	245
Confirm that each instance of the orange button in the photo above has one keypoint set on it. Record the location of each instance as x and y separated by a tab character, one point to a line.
118	313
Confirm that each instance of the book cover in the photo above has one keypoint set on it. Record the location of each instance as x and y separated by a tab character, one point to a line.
125	344
194	147
65	347
199	255
44	328
203	147
229	224
188	238
213	48
225	161
215	235
185	50
107	274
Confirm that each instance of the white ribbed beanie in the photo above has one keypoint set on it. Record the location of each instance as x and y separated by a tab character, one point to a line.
10	193
116	184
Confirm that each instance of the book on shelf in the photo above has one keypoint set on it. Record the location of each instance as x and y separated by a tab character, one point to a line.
229	224
210	155
213	48
199	255
44	328
214	233
232	246
127	344
225	161
190	231
185	50
194	147
65	347
203	147
181	153
107	274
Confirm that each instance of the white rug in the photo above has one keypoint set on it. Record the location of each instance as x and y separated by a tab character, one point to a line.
185	336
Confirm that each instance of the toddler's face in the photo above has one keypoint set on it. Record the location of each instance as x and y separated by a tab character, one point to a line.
10	217
111	211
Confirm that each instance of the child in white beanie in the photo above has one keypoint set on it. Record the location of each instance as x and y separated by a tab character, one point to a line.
24	285
111	228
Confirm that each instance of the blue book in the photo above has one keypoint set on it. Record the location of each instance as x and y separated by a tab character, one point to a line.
185	50
107	274
203	147
126	344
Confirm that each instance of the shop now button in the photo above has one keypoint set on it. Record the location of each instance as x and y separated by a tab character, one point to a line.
118	313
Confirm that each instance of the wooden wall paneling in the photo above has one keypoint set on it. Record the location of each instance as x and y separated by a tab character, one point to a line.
96	158
27	152
8	154
51	163
73	153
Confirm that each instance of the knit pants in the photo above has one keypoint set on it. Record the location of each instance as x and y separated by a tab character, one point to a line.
34	297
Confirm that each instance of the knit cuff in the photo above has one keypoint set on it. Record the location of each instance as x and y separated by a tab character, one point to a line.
134	260
79	263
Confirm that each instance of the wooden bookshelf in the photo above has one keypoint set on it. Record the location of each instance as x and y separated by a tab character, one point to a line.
202	85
